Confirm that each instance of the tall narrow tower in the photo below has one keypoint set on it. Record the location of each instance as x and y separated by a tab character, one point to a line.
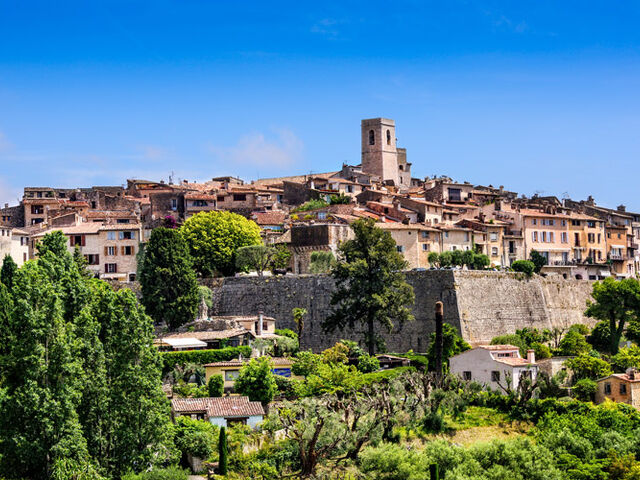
379	154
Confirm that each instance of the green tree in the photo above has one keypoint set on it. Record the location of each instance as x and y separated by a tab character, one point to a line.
256	258
525	266
306	363
586	366
215	386
321	262
8	271
452	344
457	258
167	280
481	261
256	381
341	199
434	259
370	284
538	260
214	239
618	303
194	437
281	258
446	259
574	343
223	452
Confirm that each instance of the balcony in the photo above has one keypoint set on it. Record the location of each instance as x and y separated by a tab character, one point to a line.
617	257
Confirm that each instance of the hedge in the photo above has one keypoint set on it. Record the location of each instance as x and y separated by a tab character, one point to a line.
375	377
200	357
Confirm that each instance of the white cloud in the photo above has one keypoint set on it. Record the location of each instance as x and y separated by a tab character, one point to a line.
279	150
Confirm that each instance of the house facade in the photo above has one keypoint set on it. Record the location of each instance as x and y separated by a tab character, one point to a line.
495	366
220	411
620	387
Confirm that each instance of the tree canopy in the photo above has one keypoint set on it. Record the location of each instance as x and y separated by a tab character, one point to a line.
370	284
167	279
214	239
8	271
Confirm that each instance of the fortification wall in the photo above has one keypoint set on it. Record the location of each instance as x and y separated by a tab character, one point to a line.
480	305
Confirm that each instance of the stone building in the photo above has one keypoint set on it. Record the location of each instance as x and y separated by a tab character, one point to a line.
620	387
380	156
415	241
110	250
15	243
306	239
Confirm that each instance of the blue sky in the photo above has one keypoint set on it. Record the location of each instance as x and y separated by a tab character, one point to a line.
536	96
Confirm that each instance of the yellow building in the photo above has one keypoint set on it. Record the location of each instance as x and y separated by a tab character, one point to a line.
415	241
620	387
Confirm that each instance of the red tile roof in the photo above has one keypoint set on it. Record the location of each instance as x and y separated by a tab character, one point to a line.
226	407
239	363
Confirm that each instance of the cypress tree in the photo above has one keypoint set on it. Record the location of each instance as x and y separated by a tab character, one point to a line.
8	271
168	280
223	452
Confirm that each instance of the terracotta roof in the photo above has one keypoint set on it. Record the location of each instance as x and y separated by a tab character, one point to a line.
200	196
403	226
622	376
240	363
226	407
209	335
269	218
514	361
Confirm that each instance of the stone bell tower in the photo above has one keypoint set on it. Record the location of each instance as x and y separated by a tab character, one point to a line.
379	153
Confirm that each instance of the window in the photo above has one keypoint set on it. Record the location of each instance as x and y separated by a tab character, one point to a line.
466	236
495	376
425	247
446	234
388	137
199	203
563	237
220	198
174	204
534	221
127	235
494	251
239	197
534	236
575	223
372	137
93	259
599	237
111	235
591	237
607	388
623	389
466	376
551	237
127	250
231	375
122	220
551	222
591	224
110	268
493	236
111	251
564	223
400	248
76	240
455	194
544	236
424	234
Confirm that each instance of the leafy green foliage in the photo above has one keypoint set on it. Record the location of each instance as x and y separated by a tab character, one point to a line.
625	358
618	303
339	353
459	258
256	258
368	363
341	199
574	343
169	473
215	385
167	280
82	393
370	287
195	437
452	344
214	238
586	366
525	266
585	389
171	359
280	258
538	260
310	205
298	318
306	363
8	271
223	452
256	380
321	261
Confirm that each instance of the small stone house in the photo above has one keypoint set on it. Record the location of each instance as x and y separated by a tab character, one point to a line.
220	411
620	387
492	365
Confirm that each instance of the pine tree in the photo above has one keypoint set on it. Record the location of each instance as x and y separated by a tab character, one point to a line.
167	279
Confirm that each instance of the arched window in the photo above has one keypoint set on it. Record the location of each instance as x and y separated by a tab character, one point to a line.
388	137
372	138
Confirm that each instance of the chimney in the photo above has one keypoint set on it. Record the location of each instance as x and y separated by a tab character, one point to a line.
622	208
631	373
531	356
260	320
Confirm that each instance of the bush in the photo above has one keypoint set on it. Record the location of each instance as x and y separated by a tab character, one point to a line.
368	363
586	366
512	339
195	437
306	363
585	390
310	205
289	388
384	375
285	332
170	473
256	380
215	386
574	343
433	422
525	266
200	357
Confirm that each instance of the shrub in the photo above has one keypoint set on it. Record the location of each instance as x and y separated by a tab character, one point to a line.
512	339
285	332
310	205
171	359
289	388
195	437
586	366
525	266
336	354
368	363
574	343
170	473
306	363
256	381
215	386
384	375
585	390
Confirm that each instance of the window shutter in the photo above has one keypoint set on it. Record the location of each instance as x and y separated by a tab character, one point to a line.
122	250
82	241
106	268
106	251
115	268
72	241
97	259
115	250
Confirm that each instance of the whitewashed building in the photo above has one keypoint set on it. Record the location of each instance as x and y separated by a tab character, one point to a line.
494	366
15	243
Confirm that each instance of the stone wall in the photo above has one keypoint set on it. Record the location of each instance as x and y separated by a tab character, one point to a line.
480	305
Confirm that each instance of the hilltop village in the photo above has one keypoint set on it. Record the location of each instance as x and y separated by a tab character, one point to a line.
578	239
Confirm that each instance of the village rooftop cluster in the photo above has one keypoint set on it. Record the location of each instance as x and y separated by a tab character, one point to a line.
579	239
